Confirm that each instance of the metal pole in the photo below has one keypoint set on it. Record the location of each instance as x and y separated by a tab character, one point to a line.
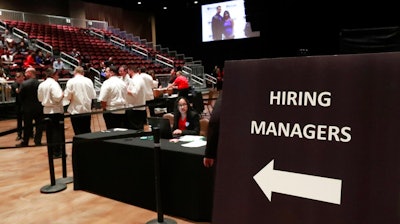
160	215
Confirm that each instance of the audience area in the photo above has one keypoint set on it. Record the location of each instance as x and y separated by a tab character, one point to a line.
90	47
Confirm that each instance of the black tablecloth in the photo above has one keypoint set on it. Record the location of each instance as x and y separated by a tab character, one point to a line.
123	169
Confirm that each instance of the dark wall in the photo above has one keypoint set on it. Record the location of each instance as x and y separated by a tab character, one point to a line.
286	27
46	7
281	35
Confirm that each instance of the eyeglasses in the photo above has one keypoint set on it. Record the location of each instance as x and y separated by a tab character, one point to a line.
182	105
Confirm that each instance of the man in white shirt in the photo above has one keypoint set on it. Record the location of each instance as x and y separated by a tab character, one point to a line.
137	116
50	95
7	61
148	82
7	58
149	86
80	92
58	65
123	72
113	97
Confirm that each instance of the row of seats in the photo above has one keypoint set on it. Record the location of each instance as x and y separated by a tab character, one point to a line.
64	38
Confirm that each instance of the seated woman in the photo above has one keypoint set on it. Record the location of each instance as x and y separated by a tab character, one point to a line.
186	120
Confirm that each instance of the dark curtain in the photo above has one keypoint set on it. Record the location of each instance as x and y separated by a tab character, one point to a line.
370	40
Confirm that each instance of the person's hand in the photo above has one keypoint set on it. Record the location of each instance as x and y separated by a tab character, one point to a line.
174	140
208	162
72	99
177	132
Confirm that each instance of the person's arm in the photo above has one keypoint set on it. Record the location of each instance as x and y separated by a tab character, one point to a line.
176	119
104	105
210	153
68	92
171	85
103	95
14	88
57	93
40	94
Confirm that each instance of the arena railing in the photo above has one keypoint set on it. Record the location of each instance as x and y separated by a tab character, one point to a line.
50	19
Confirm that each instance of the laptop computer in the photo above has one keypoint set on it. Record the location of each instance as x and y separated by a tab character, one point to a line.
163	124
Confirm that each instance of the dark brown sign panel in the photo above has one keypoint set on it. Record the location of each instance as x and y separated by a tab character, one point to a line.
310	140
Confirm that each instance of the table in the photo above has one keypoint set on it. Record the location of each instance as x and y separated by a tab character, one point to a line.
123	169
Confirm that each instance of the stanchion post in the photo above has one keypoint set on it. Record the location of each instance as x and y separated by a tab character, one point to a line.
64	179
54	186
157	177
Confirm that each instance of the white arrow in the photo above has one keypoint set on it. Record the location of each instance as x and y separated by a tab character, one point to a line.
300	185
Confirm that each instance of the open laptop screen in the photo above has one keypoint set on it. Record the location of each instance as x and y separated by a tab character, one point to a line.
163	124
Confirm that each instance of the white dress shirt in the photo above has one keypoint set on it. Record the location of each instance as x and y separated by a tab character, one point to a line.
50	95
148	81
136	92
80	92
113	91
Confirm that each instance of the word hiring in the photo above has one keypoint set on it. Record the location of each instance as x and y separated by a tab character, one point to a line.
292	98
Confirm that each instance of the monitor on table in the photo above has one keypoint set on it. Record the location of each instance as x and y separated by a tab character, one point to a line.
163	124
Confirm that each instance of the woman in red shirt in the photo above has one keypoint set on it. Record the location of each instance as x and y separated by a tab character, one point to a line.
186	120
30	60
181	84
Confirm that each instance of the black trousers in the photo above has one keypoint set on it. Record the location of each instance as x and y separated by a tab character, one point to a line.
19	120
29	117
136	119
114	120
81	123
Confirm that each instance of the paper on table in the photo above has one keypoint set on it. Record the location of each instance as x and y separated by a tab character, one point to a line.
190	138
173	96
195	144
120	129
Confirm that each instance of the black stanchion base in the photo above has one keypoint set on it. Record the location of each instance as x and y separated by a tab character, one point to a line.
53	188
65	180
166	221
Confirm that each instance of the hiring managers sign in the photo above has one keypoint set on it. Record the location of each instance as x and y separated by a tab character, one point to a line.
310	140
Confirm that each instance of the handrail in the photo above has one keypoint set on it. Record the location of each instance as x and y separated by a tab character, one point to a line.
164	63
117	40
44	46
196	79
187	68
6	93
164	60
186	72
96	79
140	50
19	33
73	62
99	34
97	83
3	24
210	78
